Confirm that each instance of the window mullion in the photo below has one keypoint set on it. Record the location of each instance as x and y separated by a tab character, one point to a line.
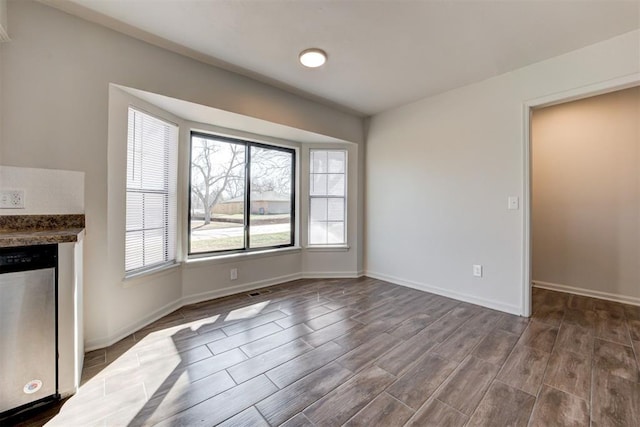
144	234
326	222
247	193
292	211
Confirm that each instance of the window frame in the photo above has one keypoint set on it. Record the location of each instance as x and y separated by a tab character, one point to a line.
345	197
172	171
247	196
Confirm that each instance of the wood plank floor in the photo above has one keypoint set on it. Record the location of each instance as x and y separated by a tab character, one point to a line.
366	352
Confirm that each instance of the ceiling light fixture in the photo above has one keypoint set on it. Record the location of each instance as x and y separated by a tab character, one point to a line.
313	57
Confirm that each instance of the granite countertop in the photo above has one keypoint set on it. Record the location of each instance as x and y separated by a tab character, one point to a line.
28	230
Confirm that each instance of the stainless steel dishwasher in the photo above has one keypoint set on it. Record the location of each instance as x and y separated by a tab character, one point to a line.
28	327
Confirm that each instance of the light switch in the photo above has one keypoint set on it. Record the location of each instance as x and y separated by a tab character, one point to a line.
477	270
513	203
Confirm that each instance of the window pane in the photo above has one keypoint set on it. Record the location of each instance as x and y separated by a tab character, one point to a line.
135	211
150	218
327	215
153	246
153	156
335	209
217	195
318	185
318	233
154	208
134	150
336	161
220	217
134	245
318	209
318	161
335	184
335	232
271	193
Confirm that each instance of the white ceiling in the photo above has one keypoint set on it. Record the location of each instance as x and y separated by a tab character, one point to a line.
382	53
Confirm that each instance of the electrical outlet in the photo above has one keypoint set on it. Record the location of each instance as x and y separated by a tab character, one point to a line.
12	199
234	273
477	270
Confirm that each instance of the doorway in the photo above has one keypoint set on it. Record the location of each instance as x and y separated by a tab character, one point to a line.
529	108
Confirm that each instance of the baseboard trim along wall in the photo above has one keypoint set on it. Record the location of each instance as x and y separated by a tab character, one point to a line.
586	292
512	309
96	344
244	287
332	275
205	296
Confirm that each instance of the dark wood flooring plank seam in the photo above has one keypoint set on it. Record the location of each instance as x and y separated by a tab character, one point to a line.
555	407
512	374
406	368
434	394
446	404
509	356
290	343
331	359
495	379
553	348
327	409
615	342
301	410
386	394
545	383
572	394
258	338
371	361
436	406
397	399
433	349
415	361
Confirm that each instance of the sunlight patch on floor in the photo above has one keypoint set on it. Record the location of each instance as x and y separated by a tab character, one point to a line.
247	312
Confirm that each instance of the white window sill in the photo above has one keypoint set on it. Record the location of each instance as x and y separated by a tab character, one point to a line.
327	248
145	275
208	259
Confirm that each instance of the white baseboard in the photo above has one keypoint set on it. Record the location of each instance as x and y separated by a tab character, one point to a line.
205	296
124	332
331	274
512	309
244	287
586	292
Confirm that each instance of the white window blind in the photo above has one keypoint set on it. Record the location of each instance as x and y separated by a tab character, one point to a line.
327	197
150	239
